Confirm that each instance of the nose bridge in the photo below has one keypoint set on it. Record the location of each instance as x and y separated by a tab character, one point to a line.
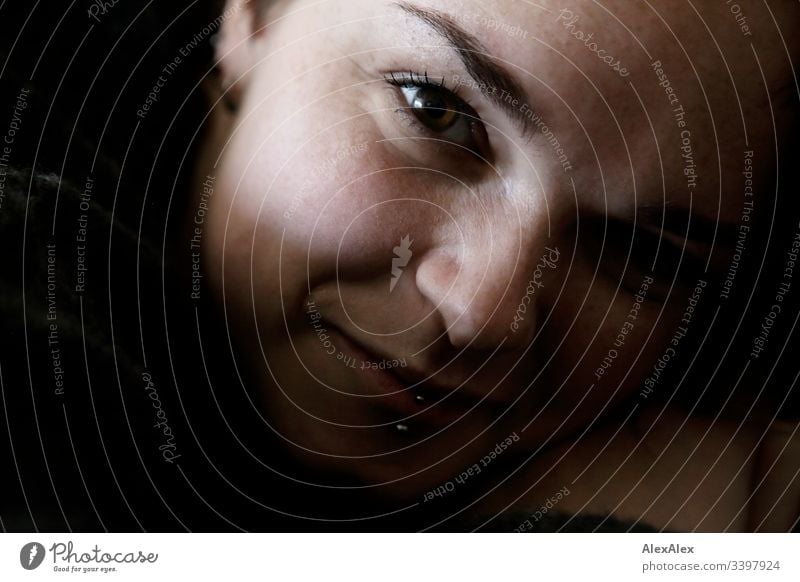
486	288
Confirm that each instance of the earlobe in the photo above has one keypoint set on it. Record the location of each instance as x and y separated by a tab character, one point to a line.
218	92
233	52
230	104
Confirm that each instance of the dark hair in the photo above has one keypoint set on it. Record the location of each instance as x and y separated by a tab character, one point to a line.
89	160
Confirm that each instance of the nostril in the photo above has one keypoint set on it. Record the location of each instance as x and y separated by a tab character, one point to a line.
478	309
492	334
483	324
487	298
462	331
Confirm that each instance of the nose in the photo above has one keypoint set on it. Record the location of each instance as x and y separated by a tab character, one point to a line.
487	289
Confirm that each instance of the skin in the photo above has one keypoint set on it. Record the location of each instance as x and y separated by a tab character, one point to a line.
308	82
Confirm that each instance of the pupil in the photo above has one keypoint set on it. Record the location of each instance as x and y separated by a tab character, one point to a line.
434	104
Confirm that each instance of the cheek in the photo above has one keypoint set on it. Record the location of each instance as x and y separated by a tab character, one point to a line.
358	216
305	206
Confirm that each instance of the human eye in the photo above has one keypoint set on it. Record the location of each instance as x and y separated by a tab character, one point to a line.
433	108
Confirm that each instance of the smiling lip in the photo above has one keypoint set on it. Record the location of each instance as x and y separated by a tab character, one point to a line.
441	406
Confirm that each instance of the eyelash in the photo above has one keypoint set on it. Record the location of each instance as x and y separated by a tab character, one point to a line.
413	80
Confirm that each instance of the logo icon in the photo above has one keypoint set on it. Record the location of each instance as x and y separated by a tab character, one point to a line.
31	555
403	255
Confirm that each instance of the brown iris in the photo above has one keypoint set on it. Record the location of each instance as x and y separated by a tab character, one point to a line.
435	108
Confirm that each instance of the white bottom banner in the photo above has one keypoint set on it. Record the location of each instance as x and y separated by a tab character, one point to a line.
400	557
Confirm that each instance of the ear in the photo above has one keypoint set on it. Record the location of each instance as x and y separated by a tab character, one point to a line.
234	53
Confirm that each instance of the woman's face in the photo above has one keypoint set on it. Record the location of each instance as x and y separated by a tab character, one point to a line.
436	224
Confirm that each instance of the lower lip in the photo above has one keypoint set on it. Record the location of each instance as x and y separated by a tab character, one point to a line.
395	395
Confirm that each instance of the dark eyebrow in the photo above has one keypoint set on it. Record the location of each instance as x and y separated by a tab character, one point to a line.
494	81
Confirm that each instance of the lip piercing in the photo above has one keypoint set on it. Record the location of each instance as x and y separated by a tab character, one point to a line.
402	427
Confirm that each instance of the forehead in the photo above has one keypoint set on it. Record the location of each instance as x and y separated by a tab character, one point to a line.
714	43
